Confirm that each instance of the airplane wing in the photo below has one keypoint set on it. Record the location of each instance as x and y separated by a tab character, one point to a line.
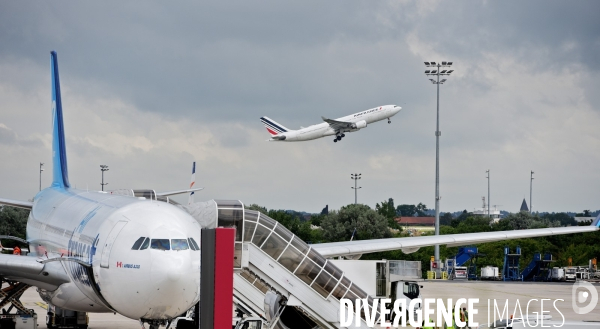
31	271
16	203
412	244
338	125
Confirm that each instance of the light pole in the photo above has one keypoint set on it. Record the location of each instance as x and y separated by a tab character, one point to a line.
531	193
103	168
41	169
437	72
355	177
488	202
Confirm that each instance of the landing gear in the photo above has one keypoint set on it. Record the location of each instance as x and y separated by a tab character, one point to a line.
389	121
153	324
339	138
60	318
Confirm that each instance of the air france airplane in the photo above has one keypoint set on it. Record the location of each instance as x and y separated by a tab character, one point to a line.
337	127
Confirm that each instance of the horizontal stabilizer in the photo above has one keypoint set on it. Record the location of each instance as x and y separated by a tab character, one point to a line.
169	193
16	203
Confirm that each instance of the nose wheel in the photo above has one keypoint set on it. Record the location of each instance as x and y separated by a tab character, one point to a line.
389	121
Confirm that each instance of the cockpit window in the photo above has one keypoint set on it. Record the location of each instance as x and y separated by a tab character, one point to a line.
160	244
138	243
145	244
191	244
194	244
179	244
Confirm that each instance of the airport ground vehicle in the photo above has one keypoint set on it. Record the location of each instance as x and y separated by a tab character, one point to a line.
570	274
251	323
18	321
60	318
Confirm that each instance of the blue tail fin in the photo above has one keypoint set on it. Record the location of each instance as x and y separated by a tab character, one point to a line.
60	177
596	222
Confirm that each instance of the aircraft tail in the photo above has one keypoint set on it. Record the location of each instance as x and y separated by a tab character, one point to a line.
191	198
273	127
60	176
596	222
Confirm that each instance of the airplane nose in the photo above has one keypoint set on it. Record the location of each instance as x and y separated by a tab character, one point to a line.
170	274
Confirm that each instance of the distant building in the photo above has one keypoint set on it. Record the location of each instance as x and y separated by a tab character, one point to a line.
483	211
325	210
417	221
524	206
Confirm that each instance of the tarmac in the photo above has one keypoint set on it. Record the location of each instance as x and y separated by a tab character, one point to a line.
485	291
558	297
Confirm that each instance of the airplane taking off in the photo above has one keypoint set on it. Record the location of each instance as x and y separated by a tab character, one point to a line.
337	127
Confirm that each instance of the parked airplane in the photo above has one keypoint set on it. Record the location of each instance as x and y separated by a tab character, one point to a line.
337	127
88	248
95	251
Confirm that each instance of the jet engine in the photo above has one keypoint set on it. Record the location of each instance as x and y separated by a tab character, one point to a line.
359	125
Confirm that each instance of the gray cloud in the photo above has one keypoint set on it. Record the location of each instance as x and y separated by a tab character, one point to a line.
148	89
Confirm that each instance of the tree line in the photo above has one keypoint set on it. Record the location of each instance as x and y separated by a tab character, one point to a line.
361	222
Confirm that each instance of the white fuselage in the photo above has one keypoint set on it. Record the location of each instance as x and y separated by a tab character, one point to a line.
100	229
325	129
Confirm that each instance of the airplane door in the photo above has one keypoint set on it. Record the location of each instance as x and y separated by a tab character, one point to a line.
112	236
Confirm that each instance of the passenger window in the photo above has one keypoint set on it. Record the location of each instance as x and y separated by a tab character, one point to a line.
179	244
145	244
160	244
193	242
138	243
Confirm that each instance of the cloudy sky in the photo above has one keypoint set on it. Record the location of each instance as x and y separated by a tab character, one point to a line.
149	89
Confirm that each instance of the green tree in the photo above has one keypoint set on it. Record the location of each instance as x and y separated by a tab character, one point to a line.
256	207
406	210
446	219
387	210
525	220
421	209
563	218
13	221
409	210
339	225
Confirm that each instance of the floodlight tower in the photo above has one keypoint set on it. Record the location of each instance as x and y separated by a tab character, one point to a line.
531	193
355	177
438	69
41	169
103	168
488	201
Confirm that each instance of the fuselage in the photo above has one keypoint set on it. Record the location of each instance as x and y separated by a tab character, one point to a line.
104	230
325	129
